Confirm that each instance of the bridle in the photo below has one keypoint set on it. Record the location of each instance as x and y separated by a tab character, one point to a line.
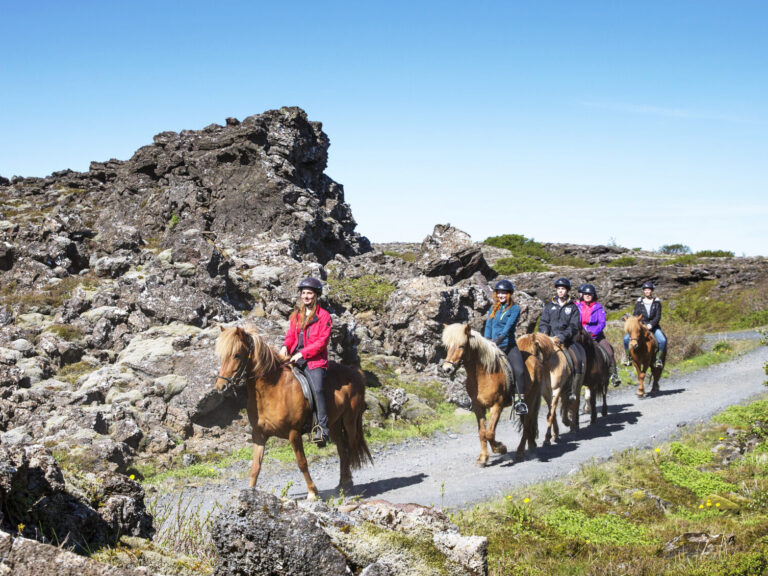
456	365
239	374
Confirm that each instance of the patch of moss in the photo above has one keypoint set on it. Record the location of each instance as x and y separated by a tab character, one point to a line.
66	331
700	483
601	529
518	264
71	373
407	256
623	261
689	456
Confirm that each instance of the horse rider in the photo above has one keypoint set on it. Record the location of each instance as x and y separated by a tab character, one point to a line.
500	327
593	321
561	320
649	307
307	342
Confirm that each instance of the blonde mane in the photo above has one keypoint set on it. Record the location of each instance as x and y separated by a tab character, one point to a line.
633	323
234	341
490	357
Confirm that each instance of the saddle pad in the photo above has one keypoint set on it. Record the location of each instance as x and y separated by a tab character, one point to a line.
306	389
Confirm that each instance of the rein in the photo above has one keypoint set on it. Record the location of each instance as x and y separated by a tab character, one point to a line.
457	365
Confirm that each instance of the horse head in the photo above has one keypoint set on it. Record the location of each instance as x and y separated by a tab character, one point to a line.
633	326
456	339
234	348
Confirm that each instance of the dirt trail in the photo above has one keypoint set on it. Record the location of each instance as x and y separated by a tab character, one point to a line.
441	470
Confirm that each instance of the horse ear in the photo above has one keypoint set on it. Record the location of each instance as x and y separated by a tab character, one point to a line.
445	325
639	317
219	326
467	329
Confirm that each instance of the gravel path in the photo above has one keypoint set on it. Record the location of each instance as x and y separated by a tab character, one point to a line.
441	470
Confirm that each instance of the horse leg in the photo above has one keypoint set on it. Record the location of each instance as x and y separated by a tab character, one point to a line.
482	460
258	455
342	447
604	411
656	375
592	407
640	383
294	437
490	434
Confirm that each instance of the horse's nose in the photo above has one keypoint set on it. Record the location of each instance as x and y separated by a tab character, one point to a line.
447	368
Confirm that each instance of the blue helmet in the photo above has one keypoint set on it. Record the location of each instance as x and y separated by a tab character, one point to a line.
563	282
312	284
504	286
648	284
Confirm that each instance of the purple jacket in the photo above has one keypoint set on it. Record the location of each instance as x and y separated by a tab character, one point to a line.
595	324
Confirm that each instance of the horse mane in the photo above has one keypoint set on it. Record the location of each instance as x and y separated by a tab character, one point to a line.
632	322
490	356
546	344
233	341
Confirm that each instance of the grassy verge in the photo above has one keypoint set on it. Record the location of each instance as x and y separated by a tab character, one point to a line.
623	516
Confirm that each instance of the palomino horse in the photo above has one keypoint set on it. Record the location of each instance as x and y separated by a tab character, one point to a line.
487	374
555	381
642	350
277	407
596	374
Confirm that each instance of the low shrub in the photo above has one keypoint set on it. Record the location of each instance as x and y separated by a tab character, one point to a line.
684	260
702	484
367	292
623	261
518	264
714	254
519	245
407	256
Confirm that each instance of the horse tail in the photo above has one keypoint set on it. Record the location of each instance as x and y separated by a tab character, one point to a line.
352	428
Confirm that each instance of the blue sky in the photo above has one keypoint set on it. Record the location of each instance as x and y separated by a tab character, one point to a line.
642	123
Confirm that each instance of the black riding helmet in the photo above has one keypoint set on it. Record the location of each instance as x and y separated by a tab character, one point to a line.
504	286
581	288
311	284
648	284
563	282
588	289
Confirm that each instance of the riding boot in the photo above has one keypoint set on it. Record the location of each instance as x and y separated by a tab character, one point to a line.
657	363
615	375
626	360
577	379
320	432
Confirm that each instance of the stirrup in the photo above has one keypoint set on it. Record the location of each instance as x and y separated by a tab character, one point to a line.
616	381
318	437
521	408
658	363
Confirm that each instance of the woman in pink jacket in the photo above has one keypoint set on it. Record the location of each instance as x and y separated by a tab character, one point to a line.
307	343
593	320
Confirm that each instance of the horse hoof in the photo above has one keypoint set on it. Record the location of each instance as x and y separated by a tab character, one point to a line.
499	449
519	457
481	463
311	497
345	485
547	443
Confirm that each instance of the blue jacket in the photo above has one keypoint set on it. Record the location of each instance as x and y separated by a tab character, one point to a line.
501	328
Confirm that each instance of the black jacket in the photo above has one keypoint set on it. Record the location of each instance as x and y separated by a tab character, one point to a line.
561	321
654	317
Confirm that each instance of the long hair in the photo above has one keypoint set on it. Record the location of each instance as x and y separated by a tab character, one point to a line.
497	304
246	341
299	314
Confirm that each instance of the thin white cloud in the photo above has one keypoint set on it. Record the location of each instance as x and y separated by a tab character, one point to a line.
666	112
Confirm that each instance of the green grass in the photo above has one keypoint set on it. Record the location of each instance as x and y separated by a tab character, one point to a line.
407	256
572	261
615	517
72	372
683	260
707	308
714	254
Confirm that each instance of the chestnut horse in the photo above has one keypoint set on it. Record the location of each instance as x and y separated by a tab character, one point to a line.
277	407
642	351
487	374
596	374
556	379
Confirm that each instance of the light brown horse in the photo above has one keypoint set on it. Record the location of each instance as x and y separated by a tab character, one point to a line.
642	351
487	373
277	407
556	379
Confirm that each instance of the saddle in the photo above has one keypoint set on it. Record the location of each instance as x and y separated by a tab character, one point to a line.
306	389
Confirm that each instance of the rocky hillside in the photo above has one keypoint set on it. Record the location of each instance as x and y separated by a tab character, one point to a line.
112	283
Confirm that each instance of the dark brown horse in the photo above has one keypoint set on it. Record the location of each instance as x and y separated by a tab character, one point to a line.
596	374
642	350
277	407
487	374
